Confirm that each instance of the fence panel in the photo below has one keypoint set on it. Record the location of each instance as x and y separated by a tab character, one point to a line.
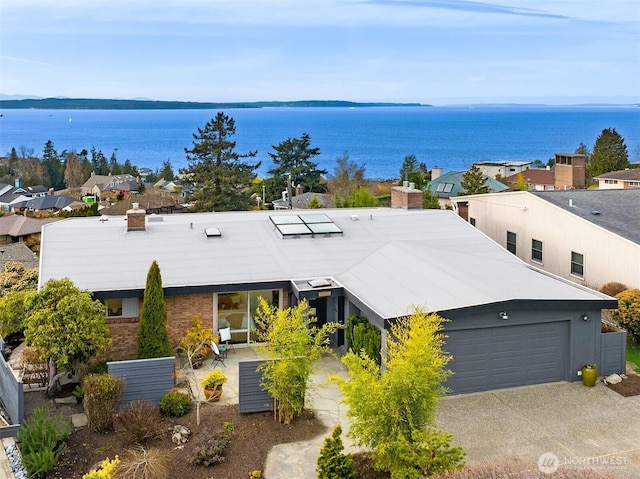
144	378
613	352
12	395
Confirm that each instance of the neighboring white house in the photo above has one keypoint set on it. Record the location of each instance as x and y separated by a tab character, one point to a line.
591	237
614	180
502	168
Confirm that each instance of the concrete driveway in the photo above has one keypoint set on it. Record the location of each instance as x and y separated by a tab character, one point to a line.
584	427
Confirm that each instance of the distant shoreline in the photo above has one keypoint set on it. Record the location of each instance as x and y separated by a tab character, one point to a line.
98	104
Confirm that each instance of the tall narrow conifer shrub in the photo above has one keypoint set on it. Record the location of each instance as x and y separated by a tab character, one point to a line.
153	339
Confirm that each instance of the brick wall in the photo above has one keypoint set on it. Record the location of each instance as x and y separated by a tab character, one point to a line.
180	312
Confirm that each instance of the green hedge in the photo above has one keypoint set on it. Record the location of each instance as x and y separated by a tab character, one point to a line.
362	335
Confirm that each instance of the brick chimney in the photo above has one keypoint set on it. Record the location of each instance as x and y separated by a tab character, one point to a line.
406	196
136	218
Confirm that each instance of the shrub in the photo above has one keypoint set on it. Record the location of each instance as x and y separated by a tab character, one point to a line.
102	393
141	463
362	335
613	288
214	379
140	420
105	471
42	441
175	404
99	367
257	474
628	313
210	448
332	462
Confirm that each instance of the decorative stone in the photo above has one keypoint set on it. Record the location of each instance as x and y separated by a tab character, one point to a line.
180	434
613	379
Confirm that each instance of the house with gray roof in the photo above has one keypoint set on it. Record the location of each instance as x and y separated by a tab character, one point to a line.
17	228
48	204
509	324
591	237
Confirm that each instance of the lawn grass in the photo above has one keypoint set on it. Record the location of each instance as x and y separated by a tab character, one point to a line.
633	355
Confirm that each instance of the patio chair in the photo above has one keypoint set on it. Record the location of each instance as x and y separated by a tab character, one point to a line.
219	354
225	337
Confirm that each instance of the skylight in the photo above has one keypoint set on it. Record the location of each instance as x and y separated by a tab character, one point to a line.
212	232
306	224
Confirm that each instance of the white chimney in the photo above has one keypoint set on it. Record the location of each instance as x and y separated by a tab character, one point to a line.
436	172
412	186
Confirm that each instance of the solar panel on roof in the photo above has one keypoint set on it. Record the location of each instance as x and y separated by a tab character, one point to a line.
305	224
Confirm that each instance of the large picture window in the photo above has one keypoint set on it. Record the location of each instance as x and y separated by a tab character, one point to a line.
237	311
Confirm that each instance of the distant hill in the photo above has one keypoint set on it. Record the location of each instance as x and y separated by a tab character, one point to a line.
97	104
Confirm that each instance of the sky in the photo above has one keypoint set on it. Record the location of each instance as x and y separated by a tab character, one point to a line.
426	51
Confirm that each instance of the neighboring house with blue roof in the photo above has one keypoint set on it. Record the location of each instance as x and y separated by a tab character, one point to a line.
510	324
449	185
591	237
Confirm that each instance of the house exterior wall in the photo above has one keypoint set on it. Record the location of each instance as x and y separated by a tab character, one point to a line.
613	184
607	256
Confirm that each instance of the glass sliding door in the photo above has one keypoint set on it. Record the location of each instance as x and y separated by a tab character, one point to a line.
237	311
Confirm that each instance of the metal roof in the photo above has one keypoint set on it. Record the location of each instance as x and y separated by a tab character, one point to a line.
615	210
389	258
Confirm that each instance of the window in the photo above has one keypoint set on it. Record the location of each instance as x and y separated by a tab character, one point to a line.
577	264
634	183
610	182
448	187
511	242
440	187
121	307
238	309
472	221
536	251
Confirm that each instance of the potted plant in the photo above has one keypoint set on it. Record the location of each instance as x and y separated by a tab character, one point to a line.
212	384
589	374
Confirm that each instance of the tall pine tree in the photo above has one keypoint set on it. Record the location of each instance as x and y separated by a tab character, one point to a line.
293	157
474	182
609	153
223	181
153	339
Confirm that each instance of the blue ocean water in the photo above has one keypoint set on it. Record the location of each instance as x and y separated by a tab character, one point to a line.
379	138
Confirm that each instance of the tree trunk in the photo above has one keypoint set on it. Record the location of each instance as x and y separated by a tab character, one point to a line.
54	386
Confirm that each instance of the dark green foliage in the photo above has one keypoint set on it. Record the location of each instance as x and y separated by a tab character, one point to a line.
175	404
99	367
153	339
413	172
53	167
332	462
362	335
89	210
41	441
102	394
223	182
210	448
430	200
140	420
166	173
609	154
474	182
293	157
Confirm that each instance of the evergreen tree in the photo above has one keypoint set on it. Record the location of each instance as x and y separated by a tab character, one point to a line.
129	169
153	339
430	200
413	172
166	173
293	157
52	166
223	182
609	153
115	168
332	462
474	182
99	162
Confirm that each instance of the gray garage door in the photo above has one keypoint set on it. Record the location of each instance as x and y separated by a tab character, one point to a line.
502	357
